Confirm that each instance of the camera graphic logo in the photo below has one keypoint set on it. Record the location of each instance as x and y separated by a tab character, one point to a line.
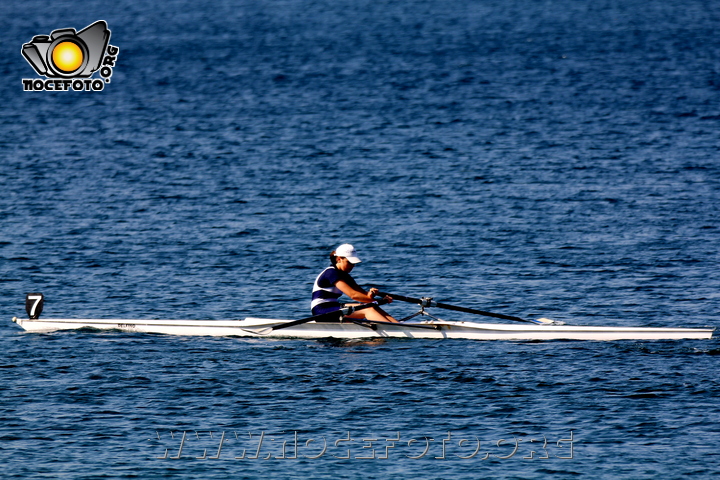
67	56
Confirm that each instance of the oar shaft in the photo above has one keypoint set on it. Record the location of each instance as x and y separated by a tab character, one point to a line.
479	312
336	314
397	324
430	303
419	301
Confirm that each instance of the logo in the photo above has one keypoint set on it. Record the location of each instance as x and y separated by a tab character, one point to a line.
68	59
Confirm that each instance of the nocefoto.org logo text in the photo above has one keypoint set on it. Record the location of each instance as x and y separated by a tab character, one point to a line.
68	59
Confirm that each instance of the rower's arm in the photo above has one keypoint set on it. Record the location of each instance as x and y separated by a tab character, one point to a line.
357	295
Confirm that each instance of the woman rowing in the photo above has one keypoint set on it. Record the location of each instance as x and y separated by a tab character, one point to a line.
336	280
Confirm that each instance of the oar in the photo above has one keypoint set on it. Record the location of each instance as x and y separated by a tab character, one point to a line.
323	316
365	322
429	302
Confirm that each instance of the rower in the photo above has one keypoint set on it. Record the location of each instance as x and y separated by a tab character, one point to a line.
335	281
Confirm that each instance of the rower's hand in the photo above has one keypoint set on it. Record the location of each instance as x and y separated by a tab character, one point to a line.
374	291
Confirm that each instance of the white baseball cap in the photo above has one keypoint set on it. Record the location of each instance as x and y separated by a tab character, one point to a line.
348	251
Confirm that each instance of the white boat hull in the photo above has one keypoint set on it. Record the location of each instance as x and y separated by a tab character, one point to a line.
258	327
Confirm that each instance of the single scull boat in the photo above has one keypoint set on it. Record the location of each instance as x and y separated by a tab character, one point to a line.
256	327
319	327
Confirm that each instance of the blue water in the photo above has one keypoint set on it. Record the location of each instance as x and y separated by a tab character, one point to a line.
555	159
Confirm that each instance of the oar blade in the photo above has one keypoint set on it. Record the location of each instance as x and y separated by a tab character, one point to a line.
549	321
